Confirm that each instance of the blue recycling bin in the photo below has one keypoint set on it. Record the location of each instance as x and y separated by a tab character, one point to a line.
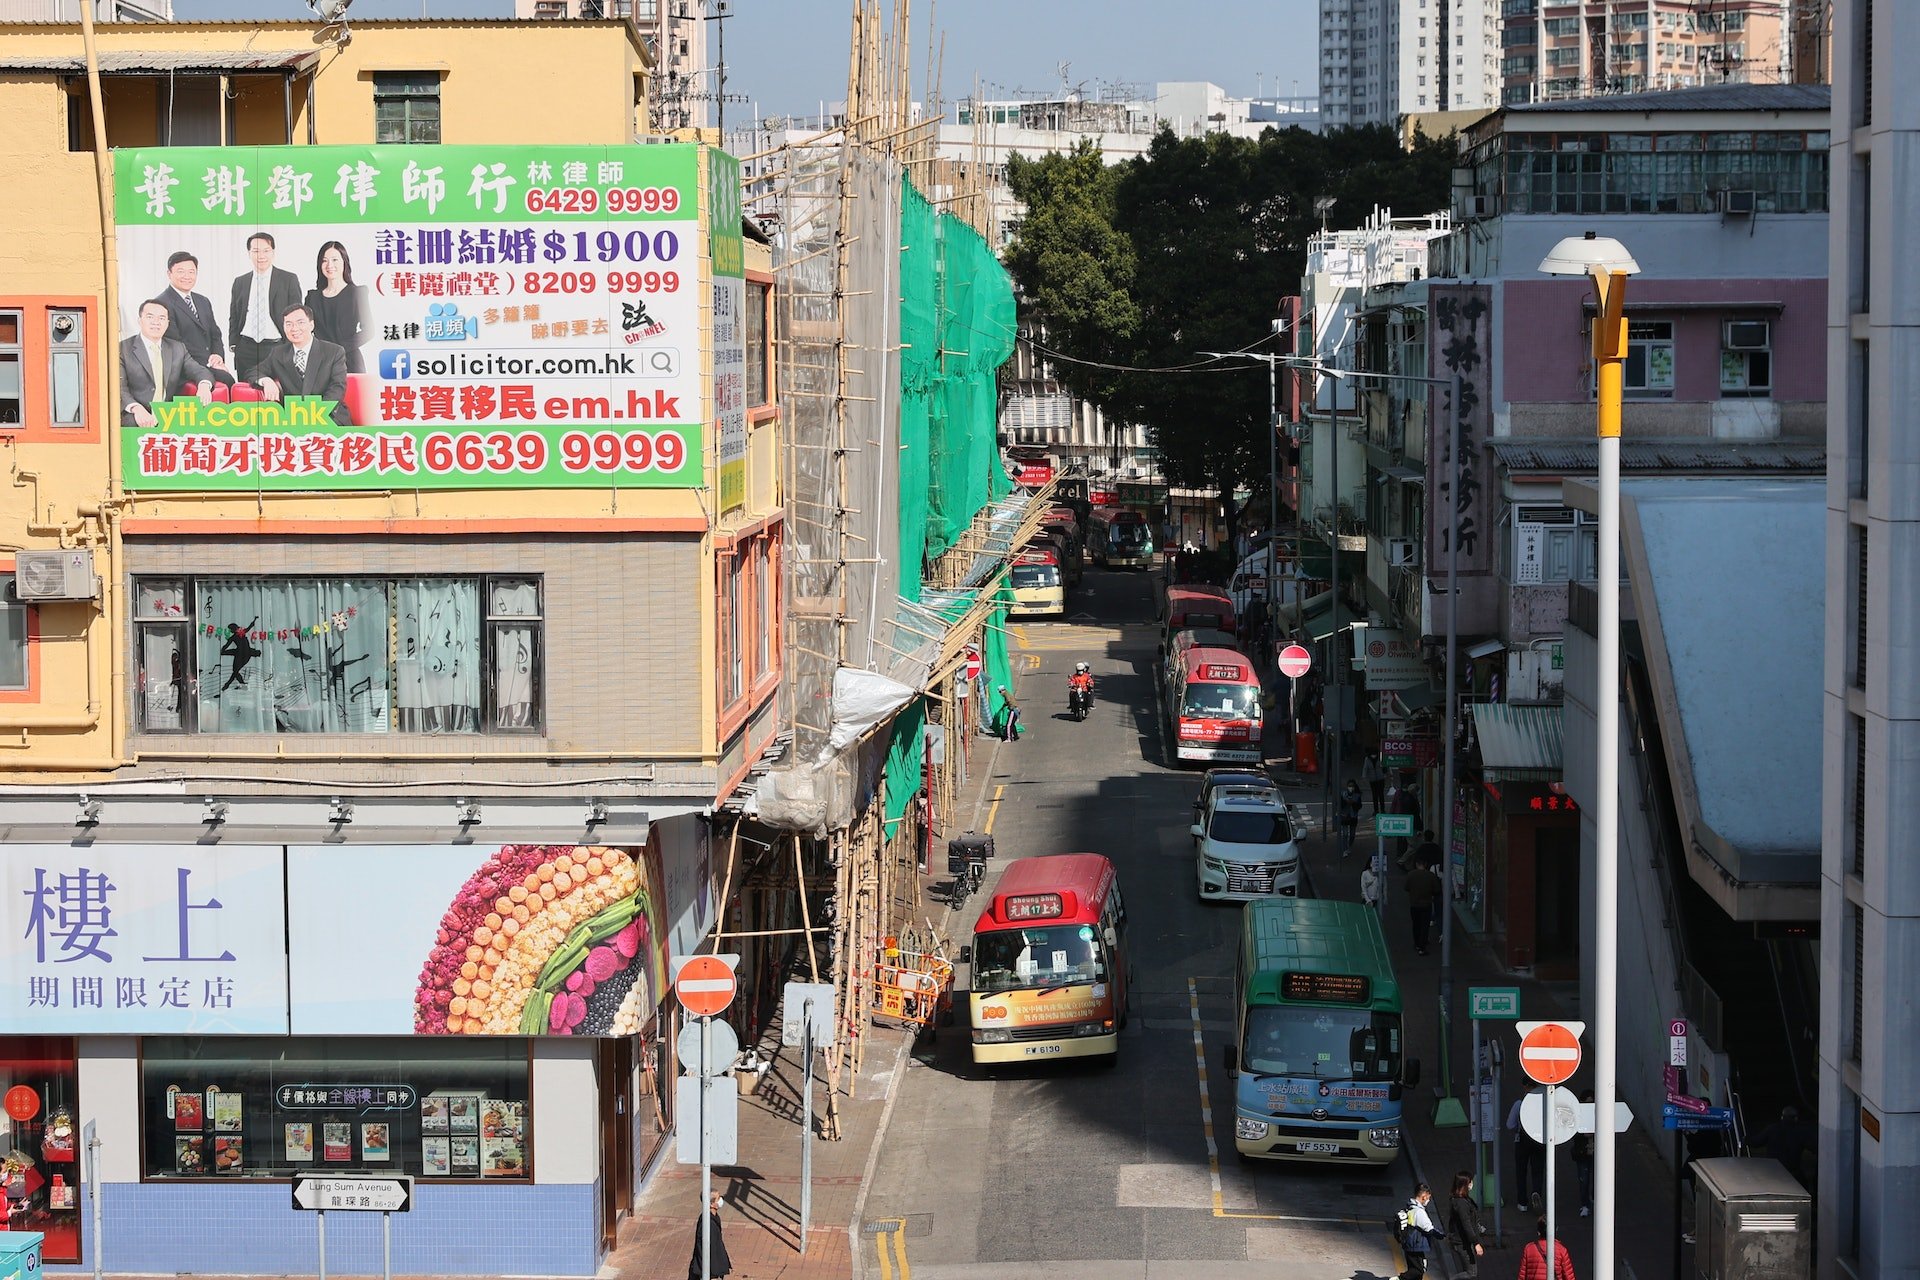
20	1255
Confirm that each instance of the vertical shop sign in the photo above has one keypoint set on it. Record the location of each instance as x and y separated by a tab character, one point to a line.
1463	338
729	326
143	940
493	317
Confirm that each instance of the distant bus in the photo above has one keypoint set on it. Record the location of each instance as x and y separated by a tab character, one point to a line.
1213	707
1319	1069
1119	537
1047	970
1039	585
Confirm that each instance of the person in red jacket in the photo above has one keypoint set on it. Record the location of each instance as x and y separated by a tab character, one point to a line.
1533	1259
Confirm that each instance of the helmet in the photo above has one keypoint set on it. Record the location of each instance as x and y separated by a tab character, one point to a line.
1082	668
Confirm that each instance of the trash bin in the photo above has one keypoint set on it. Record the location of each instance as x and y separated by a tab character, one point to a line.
1306	756
20	1255
1752	1220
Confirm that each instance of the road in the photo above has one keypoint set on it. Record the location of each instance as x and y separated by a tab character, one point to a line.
1069	1170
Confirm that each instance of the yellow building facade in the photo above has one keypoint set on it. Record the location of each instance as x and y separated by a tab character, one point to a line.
312	651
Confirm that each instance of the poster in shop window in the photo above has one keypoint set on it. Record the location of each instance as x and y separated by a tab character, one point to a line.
522	939
482	317
299	1143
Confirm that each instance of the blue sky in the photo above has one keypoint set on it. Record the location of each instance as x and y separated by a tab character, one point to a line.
788	56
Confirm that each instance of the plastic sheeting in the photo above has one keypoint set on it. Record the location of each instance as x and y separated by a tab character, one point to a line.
862	700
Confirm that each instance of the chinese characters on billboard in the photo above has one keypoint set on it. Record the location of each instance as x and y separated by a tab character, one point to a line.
327	318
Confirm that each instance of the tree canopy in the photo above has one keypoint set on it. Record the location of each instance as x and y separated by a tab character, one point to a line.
1132	269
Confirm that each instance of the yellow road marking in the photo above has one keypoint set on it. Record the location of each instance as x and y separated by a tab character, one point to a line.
1213	1149
993	810
898	1239
1033	661
1019	635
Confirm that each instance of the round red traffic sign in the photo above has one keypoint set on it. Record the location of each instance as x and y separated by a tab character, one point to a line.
973	663
1550	1053
1295	661
705	986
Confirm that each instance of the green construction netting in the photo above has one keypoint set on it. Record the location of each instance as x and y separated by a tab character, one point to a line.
957	329
905	764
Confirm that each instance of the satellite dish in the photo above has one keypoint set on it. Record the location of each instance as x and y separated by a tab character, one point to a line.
330	10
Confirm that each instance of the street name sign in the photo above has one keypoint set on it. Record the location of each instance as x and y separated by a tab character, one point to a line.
353	1193
1672	1117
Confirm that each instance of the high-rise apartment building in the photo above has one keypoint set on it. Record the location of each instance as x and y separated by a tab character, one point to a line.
1553	49
1382	59
676	35
1870	879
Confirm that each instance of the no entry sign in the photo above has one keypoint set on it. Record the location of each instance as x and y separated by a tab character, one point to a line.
705	985
1295	661
1550	1051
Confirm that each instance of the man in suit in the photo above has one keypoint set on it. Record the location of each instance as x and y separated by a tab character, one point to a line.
304	365
154	367
193	323
260	298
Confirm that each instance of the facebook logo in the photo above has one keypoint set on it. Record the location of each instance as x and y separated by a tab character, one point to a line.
395	364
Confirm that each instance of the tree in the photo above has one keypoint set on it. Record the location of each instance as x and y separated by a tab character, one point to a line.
1189	248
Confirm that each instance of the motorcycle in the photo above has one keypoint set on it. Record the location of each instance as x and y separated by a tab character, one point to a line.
1079	702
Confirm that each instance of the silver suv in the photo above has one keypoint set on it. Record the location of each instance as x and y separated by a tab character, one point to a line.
1244	847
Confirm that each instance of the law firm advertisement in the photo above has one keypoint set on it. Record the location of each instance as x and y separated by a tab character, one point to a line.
416	317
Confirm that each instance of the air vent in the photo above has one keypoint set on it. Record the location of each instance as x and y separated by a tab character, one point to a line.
1767	1222
1859	796
55	575
1859	1029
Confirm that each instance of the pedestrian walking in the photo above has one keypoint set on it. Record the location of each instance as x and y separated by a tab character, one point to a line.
1376	779
1370	887
1423	891
1529	1162
1417	1233
1463	1229
1010	713
1533	1258
1424	854
717	1262
1349	815
1583	1163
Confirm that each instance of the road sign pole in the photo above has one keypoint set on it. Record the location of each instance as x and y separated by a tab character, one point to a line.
386	1245
806	1130
1499	1198
320	1226
1550	1123
706	1169
1475	1090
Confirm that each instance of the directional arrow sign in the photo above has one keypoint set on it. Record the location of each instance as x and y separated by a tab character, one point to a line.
353	1193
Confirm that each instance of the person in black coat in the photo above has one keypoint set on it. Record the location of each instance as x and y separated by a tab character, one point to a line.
303	365
190	318
1463	1229
718	1264
259	298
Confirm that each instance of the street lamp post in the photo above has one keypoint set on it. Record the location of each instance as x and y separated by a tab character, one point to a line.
1609	264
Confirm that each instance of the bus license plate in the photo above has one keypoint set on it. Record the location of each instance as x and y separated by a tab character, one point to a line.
1036	1050
1317	1148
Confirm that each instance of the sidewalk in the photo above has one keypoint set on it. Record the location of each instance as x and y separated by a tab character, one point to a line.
1643	1214
762	1220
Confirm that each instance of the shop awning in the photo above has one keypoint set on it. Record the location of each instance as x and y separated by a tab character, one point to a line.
1325	621
1316	560
181	61
1518	743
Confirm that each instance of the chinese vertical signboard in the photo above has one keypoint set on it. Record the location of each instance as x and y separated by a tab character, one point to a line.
480	317
729	326
1462	328
143	940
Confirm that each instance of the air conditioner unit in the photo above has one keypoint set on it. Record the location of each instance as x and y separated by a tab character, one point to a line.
1482	207
1736	204
55	575
1748	335
1402	552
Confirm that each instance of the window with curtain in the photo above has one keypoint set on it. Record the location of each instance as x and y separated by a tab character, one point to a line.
337	655
759	384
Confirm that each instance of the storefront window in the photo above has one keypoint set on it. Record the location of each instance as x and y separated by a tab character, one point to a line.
40	1142
236	1107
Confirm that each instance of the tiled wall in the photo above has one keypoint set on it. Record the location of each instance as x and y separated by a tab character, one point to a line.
622	630
241	1229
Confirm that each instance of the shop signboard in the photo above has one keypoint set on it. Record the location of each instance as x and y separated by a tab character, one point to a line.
138	939
1410	752
517	939
501	317
1391	659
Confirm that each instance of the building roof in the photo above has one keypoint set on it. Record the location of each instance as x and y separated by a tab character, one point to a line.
134	61
1518	742
1718	97
1673	456
1729	580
